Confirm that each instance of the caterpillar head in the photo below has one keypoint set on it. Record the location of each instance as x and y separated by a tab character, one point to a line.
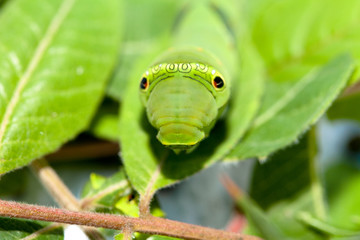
183	100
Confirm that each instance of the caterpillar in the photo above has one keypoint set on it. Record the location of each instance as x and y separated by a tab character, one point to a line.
186	89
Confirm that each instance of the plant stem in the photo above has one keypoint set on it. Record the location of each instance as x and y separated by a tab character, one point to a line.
127	233
316	188
60	192
151	225
54	185
352	90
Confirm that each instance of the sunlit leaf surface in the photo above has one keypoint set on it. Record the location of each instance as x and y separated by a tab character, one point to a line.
55	57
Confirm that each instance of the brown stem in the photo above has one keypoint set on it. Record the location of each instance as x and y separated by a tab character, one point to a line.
231	187
54	185
151	225
127	233
60	192
351	90
144	204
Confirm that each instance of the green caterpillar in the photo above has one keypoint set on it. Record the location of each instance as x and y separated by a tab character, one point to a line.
186	90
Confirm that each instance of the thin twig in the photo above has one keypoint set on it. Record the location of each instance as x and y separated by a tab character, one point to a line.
150	225
60	192
234	191
54	185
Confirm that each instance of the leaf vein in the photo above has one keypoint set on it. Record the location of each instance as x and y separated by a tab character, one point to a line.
43	118
286	98
38	54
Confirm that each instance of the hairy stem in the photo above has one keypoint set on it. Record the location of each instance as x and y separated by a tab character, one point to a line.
54	185
60	192
127	233
151	225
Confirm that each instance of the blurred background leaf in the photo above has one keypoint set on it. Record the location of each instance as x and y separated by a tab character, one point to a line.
343	182
343	108
280	190
313	33
284	175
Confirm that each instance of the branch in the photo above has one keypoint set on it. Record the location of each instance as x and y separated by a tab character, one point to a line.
151	225
60	192
54	185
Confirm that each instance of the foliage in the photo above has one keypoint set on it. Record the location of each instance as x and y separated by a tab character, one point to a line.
53	73
293	61
12	229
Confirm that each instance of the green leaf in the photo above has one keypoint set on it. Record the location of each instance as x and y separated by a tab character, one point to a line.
321	33
113	195
136	236
259	220
323	30
147	23
346	238
325	227
13	183
289	108
127	207
101	192
343	108
14	229
281	220
282	176
344	205
285	215
313	32
105	124
55	57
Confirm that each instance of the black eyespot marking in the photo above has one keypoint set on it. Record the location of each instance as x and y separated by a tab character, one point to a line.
144	83
218	82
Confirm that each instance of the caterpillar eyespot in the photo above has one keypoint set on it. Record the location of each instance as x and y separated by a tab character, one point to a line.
144	84
218	82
